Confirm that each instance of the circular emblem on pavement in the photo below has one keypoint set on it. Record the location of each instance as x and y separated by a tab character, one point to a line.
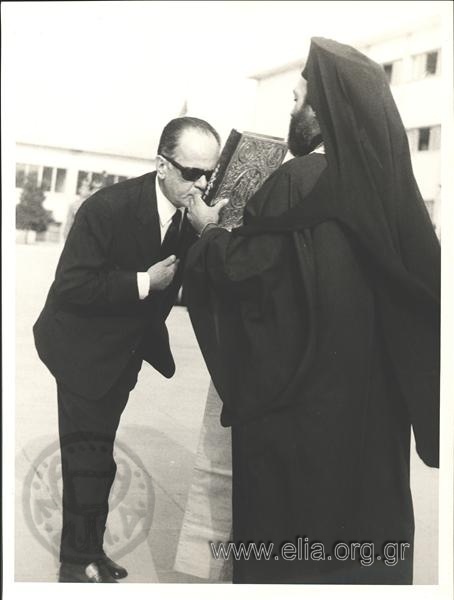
131	500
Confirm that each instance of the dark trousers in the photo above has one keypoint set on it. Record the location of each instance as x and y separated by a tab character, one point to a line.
87	431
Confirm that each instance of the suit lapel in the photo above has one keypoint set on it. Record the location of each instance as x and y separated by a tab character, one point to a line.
148	229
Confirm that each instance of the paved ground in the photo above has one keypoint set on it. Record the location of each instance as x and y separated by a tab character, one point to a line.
157	440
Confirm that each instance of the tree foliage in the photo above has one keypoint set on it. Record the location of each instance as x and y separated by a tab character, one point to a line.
30	213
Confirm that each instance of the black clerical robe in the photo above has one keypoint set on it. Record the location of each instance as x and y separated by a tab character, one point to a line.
291	330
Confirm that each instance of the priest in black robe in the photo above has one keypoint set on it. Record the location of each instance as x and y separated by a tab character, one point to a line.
319	323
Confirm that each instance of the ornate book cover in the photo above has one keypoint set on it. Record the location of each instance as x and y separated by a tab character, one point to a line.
246	161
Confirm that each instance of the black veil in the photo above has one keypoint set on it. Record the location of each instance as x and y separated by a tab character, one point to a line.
377	198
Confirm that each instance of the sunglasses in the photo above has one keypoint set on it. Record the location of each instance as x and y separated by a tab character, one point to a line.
189	173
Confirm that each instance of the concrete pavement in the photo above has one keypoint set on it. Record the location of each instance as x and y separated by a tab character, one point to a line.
157	441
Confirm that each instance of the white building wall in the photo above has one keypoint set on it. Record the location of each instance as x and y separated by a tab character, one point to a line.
237	113
403	46
419	100
74	161
275	102
427	169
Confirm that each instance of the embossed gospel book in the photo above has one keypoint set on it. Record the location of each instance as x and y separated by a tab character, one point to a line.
246	161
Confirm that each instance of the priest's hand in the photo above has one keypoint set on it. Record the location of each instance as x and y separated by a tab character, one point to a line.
200	215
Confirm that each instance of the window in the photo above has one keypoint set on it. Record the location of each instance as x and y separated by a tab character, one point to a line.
88	182
46	180
426	64
60	181
393	71
25	172
20	175
424	139
98	180
119	178
82	180
431	63
49	179
33	172
111	179
388	67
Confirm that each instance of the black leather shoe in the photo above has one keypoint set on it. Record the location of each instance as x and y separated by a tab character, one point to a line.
91	573
115	570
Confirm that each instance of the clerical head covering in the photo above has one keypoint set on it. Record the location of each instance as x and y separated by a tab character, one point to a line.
377	197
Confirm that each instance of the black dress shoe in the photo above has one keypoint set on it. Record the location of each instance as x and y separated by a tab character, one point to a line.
116	571
91	573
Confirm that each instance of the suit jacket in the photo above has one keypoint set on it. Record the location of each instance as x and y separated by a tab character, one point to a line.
93	322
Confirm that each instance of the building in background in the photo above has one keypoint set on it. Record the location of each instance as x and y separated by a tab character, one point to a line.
262	103
63	174
412	61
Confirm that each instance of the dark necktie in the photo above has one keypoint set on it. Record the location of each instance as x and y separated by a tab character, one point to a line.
170	242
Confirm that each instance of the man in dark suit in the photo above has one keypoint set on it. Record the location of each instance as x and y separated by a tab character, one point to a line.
115	284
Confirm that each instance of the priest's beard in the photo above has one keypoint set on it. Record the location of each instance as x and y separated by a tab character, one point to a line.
304	132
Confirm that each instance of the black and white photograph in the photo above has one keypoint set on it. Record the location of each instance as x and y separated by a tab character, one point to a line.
227	287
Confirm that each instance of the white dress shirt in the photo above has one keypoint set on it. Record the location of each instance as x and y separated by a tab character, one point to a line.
166	210
319	150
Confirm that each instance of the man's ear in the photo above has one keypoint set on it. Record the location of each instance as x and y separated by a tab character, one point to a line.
161	167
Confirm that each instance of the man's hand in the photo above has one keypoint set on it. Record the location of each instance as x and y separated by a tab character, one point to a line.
162	273
199	214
